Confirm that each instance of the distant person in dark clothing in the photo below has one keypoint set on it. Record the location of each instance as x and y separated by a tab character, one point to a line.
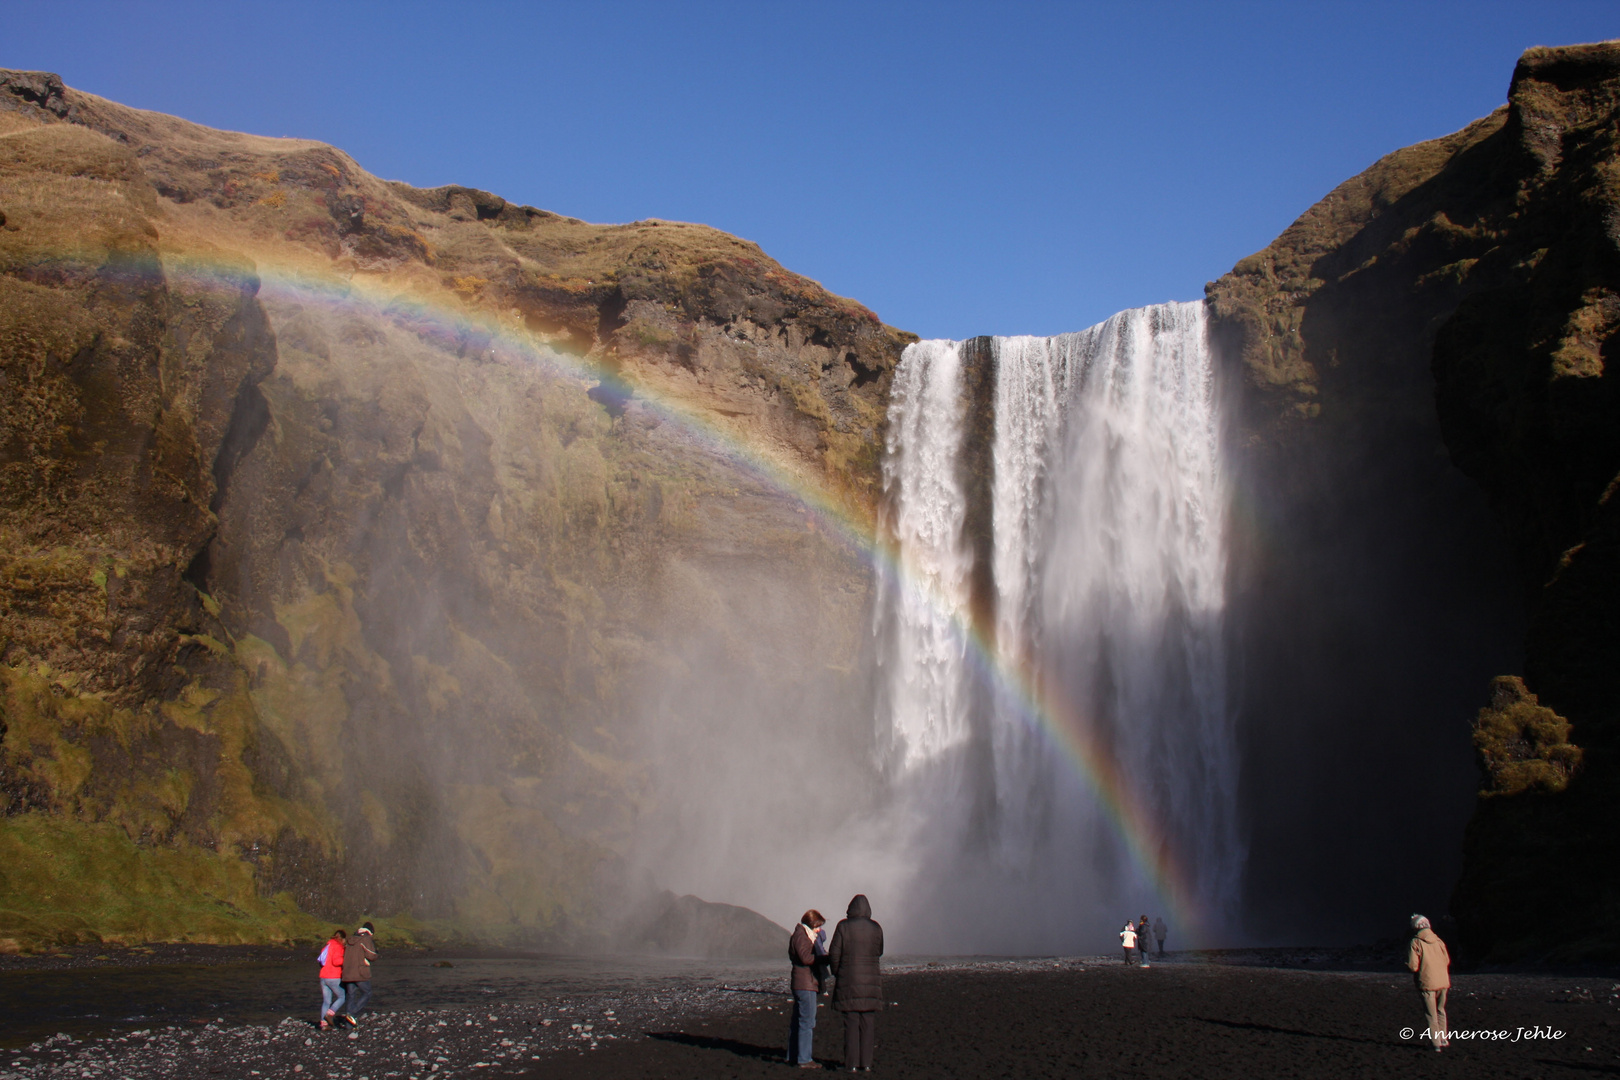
822	969
1144	939
857	945
1158	932
802	955
357	973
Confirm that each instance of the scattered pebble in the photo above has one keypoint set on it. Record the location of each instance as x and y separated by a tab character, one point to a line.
416	1044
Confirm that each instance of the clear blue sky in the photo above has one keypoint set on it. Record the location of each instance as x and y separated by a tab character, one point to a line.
959	168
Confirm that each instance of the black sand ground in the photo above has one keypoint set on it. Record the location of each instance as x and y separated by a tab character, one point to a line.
1071	1018
1167	1021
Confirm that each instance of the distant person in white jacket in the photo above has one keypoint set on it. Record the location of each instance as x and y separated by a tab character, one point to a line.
1127	938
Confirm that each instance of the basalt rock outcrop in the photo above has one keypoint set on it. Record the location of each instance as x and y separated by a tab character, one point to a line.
356	535
1450	311
671	925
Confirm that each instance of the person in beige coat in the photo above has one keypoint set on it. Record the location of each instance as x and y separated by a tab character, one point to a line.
1430	965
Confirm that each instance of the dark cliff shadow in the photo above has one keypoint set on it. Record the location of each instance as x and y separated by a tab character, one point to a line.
715	1042
1373	565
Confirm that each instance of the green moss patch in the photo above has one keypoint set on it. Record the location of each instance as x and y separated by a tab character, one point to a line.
66	882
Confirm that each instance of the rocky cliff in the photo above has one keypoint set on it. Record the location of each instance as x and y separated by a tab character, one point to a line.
355	536
1450	311
368	548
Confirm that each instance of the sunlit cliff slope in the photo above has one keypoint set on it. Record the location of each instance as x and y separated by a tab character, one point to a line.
355	536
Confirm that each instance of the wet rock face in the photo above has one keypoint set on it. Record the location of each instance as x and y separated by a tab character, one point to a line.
425	568
1453	306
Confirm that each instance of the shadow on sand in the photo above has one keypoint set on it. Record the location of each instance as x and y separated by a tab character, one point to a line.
1270	1030
713	1042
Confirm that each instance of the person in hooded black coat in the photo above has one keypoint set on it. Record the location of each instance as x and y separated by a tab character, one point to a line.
857	945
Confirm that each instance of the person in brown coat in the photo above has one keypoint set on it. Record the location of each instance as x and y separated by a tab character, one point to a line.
802	955
857	946
1430	965
357	960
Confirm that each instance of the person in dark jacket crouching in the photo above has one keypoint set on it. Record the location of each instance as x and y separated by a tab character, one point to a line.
857	945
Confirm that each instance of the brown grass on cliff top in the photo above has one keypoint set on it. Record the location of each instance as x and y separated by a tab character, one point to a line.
90	187
192	163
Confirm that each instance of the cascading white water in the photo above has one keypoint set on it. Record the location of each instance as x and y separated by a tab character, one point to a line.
1107	546
928	696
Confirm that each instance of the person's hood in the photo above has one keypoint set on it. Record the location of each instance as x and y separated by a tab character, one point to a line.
1427	936
859	908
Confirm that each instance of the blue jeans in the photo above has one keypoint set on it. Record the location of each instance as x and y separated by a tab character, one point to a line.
357	993
802	1028
331	996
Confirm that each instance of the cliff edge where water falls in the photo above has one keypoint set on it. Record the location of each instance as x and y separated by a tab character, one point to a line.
363	544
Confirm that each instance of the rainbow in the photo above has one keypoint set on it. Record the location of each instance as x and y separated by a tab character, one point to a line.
1039	705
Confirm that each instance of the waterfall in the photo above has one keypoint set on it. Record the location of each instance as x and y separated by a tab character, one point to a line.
1059	501
928	708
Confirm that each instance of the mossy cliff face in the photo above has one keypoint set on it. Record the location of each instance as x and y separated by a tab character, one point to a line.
399	604
1450	307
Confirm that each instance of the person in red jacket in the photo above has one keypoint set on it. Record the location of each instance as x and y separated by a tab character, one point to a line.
331	961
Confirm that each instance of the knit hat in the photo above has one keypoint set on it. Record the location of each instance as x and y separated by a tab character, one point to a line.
1419	922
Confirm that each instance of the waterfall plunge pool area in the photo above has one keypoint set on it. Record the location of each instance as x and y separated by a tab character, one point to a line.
190	1011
